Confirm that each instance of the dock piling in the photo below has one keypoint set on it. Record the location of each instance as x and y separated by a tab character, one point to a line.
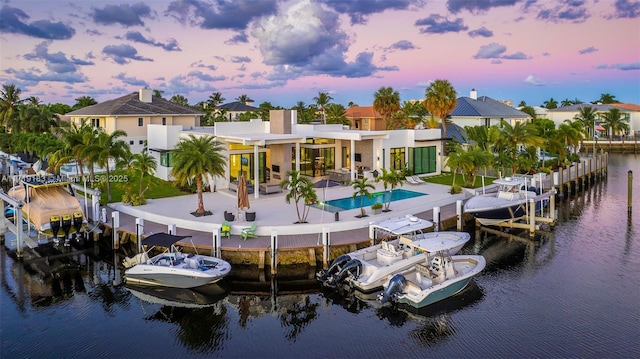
326	242
459	214
630	192
274	252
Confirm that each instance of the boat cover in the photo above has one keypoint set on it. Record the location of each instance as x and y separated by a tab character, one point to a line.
162	239
44	202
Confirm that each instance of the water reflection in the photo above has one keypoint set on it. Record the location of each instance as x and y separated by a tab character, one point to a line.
179	297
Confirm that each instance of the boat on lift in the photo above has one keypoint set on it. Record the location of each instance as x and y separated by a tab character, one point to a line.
509	203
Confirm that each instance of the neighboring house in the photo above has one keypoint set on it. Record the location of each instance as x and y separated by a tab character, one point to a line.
484	111
264	151
365	118
132	113
631	112
235	109
541	112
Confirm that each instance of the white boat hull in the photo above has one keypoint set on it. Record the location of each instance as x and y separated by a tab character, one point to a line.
381	261
424	287
178	271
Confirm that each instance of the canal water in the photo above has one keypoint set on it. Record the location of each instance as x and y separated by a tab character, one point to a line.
573	292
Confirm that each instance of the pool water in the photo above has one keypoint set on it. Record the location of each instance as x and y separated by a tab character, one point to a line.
352	203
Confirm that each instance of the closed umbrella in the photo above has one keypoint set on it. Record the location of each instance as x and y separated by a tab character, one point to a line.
243	194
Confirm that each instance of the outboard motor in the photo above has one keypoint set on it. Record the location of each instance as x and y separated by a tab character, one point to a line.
54	222
352	268
66	227
77	223
334	268
397	283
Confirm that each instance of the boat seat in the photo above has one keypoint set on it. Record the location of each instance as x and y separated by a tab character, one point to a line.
423	276
192	263
506	196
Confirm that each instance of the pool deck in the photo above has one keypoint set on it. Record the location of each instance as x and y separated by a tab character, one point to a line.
275	216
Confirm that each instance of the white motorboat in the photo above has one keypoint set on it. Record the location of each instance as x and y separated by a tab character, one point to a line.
368	268
508	203
440	276
173	268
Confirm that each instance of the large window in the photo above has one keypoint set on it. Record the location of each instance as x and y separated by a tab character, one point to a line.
166	159
346	158
316	162
423	160
397	158
243	164
95	122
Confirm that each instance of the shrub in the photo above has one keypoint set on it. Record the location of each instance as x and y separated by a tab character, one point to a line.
376	205
455	189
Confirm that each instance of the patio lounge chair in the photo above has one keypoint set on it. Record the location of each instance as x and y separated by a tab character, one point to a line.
225	230
410	180
249	232
418	180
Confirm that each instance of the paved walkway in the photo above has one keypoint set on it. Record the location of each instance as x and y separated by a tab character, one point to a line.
275	216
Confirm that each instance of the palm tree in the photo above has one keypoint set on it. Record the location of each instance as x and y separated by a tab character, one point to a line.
415	112
566	102
9	101
215	99
607	98
440	99
76	138
195	158
144	164
243	99
390	179
387	102
107	147
614	122
322	100
336	113
265	109
33	101
305	113
157	93
570	134
84	101
180	100
300	188
361	188
587	116
550	104
512	137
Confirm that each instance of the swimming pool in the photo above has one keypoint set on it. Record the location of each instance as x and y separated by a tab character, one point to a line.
352	203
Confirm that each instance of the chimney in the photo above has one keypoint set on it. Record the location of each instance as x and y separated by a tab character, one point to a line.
473	94
145	95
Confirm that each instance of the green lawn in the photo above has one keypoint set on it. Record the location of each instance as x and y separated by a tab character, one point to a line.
120	182
446	178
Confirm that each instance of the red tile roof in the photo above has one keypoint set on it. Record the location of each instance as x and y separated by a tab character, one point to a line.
627	106
362	112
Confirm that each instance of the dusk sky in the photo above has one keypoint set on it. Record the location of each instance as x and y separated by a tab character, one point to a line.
283	52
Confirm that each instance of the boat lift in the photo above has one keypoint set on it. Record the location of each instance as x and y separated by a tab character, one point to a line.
530	221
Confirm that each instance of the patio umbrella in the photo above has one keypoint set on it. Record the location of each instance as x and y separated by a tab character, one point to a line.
243	194
324	184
